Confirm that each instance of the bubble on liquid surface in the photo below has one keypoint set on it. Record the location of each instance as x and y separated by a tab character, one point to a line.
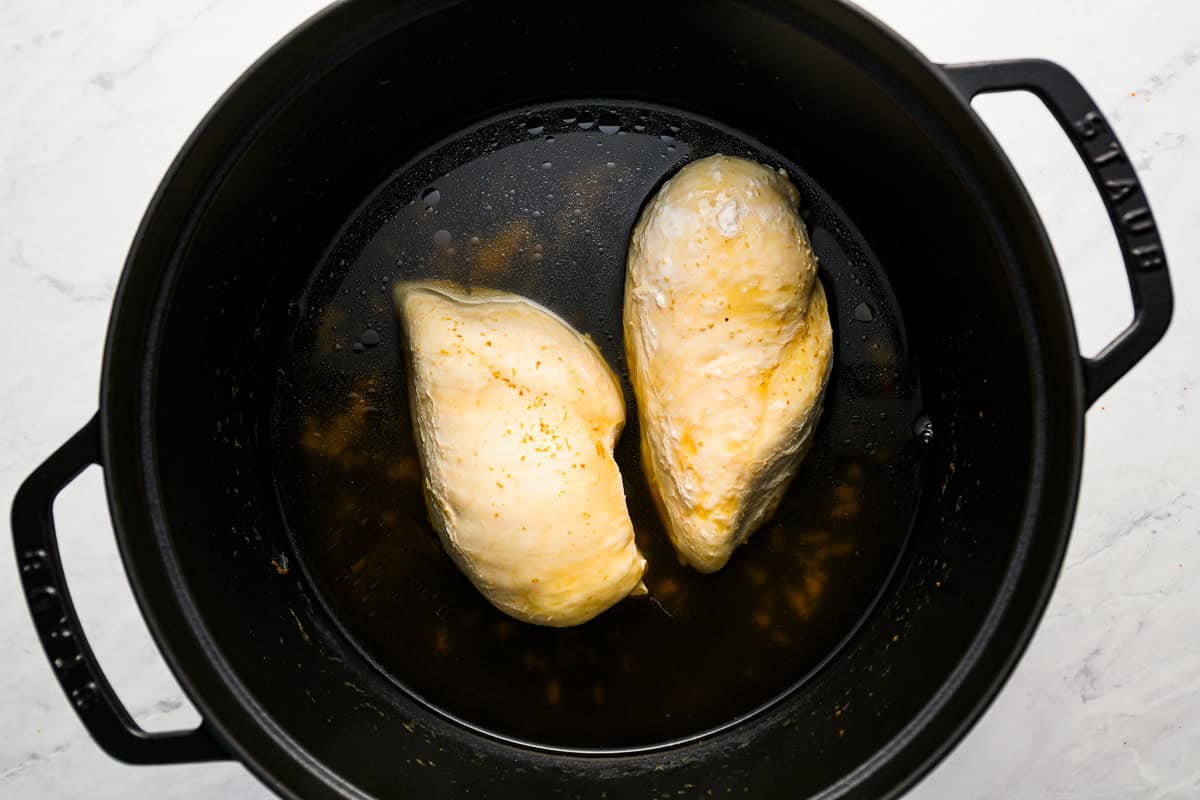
370	337
864	313
609	124
923	429
430	197
442	238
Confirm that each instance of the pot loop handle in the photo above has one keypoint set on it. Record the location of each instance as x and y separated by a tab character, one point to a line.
58	627
1115	179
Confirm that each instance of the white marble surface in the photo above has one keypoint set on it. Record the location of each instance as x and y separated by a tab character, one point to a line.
95	99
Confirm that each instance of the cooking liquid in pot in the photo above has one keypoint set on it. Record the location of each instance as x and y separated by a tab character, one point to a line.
542	203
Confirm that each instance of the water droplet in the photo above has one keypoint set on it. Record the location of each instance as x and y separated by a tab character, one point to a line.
639	124
863	313
549	140
569	116
609	124
370	337
535	126
358	347
546	165
611	164
537	213
585	121
442	238
430	197
474	240
674	128
923	429
666	137
670	148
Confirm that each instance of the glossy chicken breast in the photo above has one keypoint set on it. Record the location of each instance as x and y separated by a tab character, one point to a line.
729	345
516	416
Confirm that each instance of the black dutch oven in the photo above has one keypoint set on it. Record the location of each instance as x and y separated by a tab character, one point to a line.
286	581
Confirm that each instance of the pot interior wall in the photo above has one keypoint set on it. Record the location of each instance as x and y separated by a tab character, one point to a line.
388	88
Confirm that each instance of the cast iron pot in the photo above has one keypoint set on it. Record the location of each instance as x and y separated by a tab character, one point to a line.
219	270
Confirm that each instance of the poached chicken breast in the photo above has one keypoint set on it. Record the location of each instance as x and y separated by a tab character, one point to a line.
516	415
729	344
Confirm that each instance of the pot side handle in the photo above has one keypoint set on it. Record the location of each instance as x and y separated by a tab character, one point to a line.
58	627
1120	190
